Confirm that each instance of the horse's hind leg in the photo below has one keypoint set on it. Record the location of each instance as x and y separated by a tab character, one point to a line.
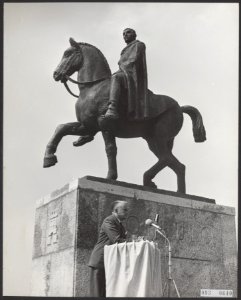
160	149
151	173
73	128
179	169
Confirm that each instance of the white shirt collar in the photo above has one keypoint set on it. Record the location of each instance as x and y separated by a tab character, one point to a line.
116	217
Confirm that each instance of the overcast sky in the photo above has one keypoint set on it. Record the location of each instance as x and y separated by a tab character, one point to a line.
192	56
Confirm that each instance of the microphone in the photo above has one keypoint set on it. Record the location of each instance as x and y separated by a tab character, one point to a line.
149	222
156	218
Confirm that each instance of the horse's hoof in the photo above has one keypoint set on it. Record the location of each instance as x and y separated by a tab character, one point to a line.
153	185
50	161
111	176
83	140
150	184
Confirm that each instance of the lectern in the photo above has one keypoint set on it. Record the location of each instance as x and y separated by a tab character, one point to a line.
133	269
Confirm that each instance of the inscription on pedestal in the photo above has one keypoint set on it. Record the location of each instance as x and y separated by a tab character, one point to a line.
52	236
53	226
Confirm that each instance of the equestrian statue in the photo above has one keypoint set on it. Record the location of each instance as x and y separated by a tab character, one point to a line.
121	105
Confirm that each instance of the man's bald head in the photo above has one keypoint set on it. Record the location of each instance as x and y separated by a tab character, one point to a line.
120	209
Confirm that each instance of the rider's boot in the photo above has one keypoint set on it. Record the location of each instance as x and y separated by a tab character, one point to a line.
112	113
83	140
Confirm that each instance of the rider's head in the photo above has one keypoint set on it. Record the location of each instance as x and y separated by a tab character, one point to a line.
129	35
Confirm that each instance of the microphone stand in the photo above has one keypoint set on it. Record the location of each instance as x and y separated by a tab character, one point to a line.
170	279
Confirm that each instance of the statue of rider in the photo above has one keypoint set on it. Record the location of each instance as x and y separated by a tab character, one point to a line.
131	76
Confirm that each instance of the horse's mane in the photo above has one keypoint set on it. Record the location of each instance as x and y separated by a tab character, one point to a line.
98	50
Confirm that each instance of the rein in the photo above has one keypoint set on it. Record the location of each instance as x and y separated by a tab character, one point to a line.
68	89
78	82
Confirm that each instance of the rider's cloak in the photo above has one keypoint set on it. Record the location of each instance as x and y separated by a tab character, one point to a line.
133	64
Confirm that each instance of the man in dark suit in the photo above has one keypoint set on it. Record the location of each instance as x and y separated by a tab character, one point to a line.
112	231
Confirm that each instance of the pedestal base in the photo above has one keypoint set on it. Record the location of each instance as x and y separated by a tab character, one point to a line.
202	234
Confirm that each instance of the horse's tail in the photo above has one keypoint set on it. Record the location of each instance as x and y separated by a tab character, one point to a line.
198	128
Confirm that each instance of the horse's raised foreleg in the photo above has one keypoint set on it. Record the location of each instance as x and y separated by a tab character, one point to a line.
111	151
73	128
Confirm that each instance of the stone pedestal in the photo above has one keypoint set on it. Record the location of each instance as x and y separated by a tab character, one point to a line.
67	222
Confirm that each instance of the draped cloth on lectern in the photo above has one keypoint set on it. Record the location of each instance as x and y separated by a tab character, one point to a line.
133	270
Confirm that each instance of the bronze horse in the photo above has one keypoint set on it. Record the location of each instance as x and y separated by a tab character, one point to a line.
94	77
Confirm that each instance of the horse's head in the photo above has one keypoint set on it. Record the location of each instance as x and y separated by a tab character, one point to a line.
84	58
70	62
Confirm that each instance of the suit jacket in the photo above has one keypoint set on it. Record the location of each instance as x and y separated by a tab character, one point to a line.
133	64
111	232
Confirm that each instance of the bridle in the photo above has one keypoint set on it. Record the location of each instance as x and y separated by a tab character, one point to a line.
68	89
78	82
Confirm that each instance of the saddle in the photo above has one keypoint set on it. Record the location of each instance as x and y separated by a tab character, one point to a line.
158	104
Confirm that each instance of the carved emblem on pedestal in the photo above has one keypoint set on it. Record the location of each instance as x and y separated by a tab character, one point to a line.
52	232
53	227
